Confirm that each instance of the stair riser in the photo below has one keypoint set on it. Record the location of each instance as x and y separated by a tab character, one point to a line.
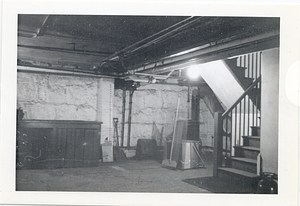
245	166
251	154
255	131
252	142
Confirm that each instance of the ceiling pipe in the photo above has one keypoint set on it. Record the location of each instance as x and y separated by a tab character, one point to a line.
163	33
218	51
37	69
64	50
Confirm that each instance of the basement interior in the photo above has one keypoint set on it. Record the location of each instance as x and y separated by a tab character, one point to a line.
147	104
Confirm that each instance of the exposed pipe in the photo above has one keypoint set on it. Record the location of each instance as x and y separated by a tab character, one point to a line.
64	50
40	69
123	115
208	53
156	40
129	116
153	37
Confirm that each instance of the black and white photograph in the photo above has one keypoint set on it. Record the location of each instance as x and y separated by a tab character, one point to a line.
161	104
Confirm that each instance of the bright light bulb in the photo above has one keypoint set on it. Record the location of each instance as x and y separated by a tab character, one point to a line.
193	72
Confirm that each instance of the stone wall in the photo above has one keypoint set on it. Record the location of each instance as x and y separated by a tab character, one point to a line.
154	107
62	97
58	97
55	97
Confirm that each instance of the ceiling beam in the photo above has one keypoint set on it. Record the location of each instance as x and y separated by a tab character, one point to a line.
212	52
155	37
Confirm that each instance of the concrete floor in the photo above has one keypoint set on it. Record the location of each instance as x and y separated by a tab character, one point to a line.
128	176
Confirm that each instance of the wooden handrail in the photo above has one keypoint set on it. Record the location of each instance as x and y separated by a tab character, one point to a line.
242	96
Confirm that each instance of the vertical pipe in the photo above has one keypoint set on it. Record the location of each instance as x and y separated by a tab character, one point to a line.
129	117
197	118
198	111
123	116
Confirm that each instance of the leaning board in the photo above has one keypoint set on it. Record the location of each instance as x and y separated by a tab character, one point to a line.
180	133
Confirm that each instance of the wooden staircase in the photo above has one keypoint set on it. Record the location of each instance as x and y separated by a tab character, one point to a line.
237	130
243	164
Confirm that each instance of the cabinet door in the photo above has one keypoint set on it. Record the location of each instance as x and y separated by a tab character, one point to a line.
34	147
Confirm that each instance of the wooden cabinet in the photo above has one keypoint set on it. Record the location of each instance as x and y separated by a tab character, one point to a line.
44	144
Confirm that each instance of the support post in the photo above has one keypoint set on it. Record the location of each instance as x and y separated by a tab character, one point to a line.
123	115
218	129
129	117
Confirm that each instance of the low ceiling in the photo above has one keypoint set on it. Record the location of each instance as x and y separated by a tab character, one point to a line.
125	45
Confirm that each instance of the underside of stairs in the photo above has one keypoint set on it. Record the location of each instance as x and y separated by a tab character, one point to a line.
239	73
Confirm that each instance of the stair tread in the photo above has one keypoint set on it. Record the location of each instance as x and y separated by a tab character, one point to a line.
239	172
249	148
244	159
251	137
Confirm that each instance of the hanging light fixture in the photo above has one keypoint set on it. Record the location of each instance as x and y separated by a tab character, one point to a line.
193	72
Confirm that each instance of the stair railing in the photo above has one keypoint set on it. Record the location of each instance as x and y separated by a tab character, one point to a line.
252	63
236	122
